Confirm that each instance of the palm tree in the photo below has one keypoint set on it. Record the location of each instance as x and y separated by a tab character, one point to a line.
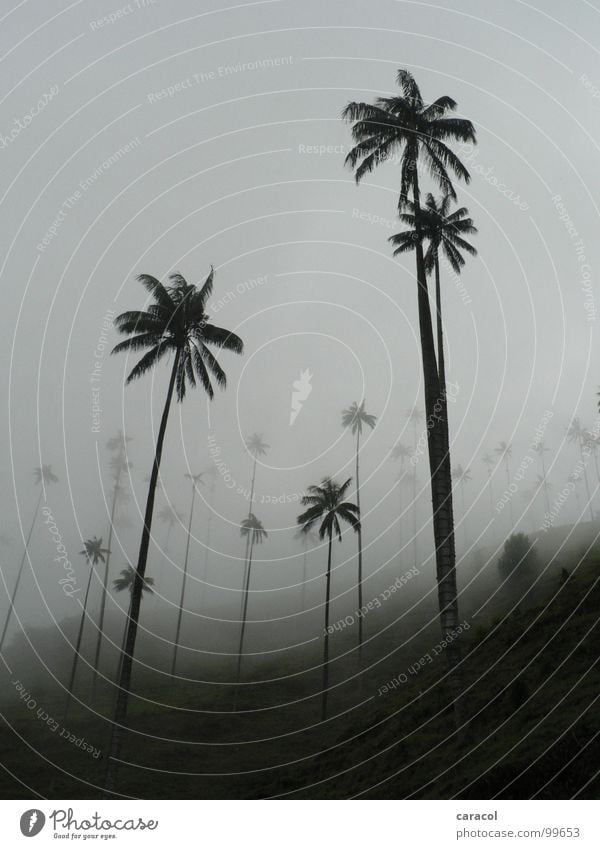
42	475
211	473
256	447
504	453
463	476
195	479
400	453
127	582
576	434
490	464
543	485
252	529
540	449
325	503
592	444
119	464
177	323
354	418
405	124
442	230
94	554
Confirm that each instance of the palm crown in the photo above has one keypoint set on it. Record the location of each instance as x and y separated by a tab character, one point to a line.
504	450
169	516
253	527
256	446
400	452
406	123
440	228
576	431
127	580
177	322
326	502
356	416
93	551
45	474
461	475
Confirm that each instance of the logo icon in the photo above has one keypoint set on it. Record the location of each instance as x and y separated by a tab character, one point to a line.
32	822
301	389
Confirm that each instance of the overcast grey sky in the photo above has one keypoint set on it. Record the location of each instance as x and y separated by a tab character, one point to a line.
173	136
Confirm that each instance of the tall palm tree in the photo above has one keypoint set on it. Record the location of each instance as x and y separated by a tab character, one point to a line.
415	416
400	453
177	323
444	231
42	475
463	476
577	435
195	479
256	447
94	554
325	504
490	464
504	454
252	529
404	124
354	418
119	465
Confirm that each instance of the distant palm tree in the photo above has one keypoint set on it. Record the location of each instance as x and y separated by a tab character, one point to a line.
490	465
177	323
591	442
94	554
211	473
305	540
256	447
119	464
417	132
127	582
195	479
353	419
504	453
325	504
443	230
252	529
42	475
540	449
576	434
463	476
401	454
542	485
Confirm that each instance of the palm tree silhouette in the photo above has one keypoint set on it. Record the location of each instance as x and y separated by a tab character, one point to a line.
354	418
490	464
443	230
195	479
42	475
127	582
576	434
177	322
252	529
415	416
119	465
463	476
94	554
256	447
504	453
404	124
325	503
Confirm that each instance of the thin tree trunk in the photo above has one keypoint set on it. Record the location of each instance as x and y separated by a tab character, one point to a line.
244	615
441	478
587	483
104	585
491	492
464	509
132	624
11	606
247	547
78	644
440	331
185	566
414	504
304	579
326	646
359	534
510	506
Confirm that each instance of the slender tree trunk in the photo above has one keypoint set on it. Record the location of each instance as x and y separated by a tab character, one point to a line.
587	483
207	544
491	492
414	504
247	547
244	616
440	331
304	564
441	478
11	606
326	646
464	509
136	596
510	505
104	585
185	566
359	534
78	644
